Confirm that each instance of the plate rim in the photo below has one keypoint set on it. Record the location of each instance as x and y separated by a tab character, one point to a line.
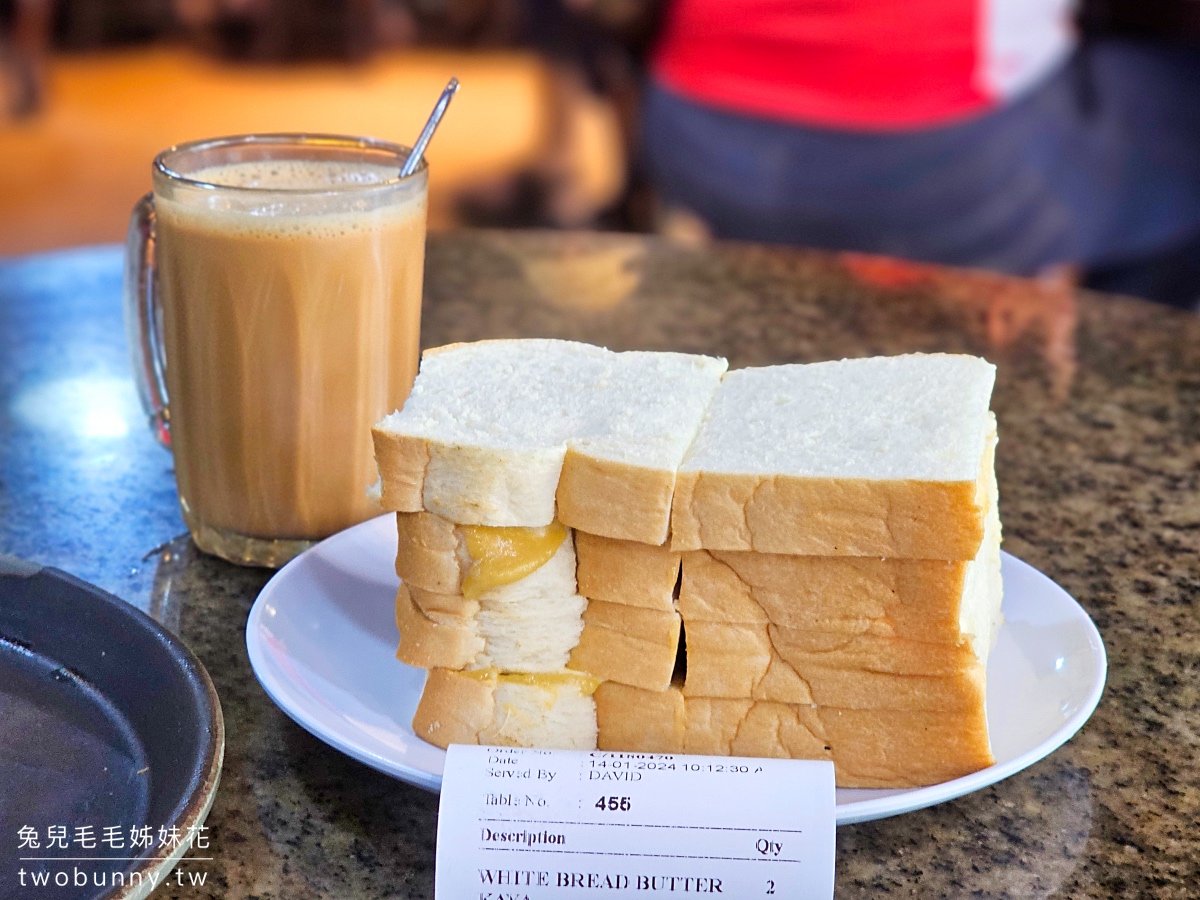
848	813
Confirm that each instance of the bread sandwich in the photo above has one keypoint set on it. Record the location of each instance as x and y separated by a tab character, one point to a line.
502	452
642	551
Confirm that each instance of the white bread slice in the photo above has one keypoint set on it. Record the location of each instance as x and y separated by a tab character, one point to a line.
869	748
877	457
868	672
628	644
912	598
933	601
765	662
438	634
455	707
636	720
980	615
502	432
530	625
738	660
552	711
940	729
430	553
753	632
873	748
626	572
747	728
883	748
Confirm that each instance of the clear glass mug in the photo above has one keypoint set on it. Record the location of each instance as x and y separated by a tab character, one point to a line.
273	303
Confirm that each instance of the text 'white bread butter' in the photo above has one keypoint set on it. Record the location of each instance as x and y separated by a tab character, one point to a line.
879	457
504	433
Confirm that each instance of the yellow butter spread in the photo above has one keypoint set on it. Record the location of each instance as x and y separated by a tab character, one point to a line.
586	683
488	676
500	556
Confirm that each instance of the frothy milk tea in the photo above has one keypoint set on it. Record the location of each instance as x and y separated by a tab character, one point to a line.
288	334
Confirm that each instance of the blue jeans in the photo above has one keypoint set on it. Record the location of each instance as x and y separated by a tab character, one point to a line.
1099	165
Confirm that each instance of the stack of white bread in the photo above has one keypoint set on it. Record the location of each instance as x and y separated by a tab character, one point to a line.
642	551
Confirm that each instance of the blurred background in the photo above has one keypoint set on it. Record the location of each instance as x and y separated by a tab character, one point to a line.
546	131
91	90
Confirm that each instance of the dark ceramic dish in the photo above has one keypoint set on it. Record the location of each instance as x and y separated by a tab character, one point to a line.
108	725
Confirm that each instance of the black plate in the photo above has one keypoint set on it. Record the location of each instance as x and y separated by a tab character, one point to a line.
106	721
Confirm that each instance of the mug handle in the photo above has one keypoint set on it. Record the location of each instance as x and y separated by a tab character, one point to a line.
143	320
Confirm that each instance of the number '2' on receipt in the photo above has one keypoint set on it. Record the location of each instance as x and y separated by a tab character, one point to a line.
518	824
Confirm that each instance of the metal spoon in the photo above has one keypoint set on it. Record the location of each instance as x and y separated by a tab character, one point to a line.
439	110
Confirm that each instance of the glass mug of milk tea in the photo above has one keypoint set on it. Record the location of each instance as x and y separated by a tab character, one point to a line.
273	303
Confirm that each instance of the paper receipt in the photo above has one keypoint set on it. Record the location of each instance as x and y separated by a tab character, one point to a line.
516	823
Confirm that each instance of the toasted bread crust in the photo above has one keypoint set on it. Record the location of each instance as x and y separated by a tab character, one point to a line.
765	662
628	644
639	721
402	461
781	731
442	639
433	603
735	660
875	748
626	572
468	708
826	516
711	724
454	708
912	598
615	500
427	552
870	748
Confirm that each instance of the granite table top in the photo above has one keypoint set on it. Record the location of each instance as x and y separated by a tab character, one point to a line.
1098	400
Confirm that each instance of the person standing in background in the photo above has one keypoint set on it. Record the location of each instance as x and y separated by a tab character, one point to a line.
966	132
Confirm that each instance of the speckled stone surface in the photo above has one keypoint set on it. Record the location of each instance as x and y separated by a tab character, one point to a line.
1099	465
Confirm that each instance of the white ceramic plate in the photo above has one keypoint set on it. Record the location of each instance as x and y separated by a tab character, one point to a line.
321	639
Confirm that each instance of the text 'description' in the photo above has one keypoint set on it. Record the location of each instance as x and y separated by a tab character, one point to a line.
517	824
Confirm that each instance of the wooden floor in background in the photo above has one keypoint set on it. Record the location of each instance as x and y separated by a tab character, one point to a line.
70	174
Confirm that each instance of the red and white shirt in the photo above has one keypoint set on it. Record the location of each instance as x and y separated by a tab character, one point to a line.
861	64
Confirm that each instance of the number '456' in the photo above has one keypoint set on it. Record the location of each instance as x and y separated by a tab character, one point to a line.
612	804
